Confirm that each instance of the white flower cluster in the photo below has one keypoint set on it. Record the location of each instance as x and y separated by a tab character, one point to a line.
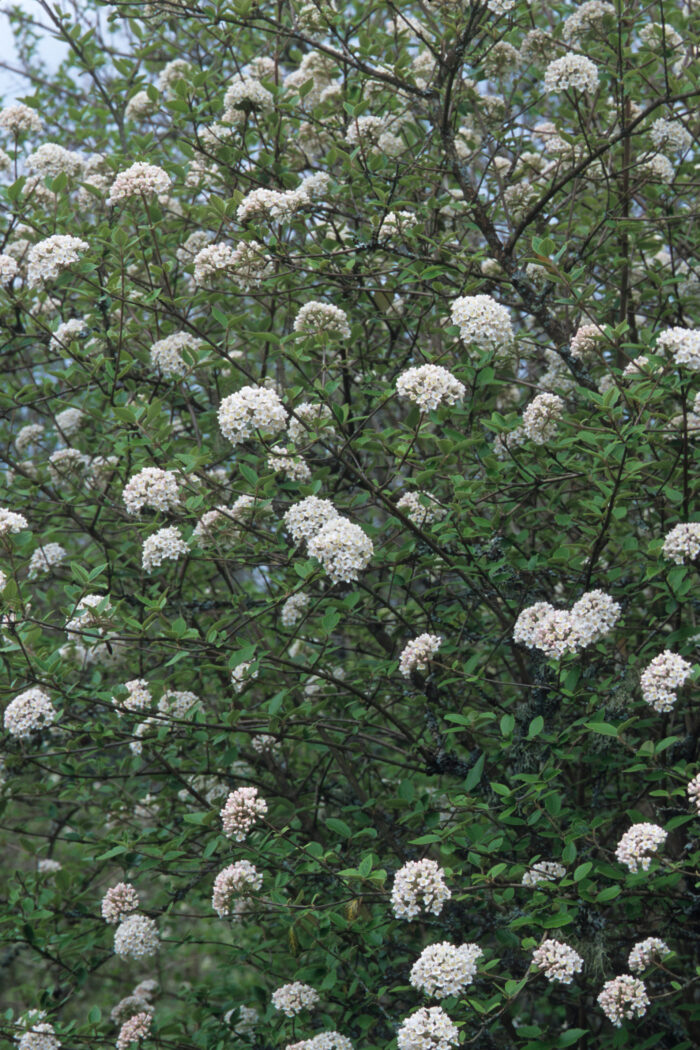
67	464
166	354
235	881
139	106
421	508
660	681
308	517
18	118
419	884
250	409
418	652
9	268
557	960
445	969
10	521
49	258
638	843
291	999
40	1035
45	558
29	712
177	703
315	318
69	421
585	342
51	160
293	609
543	871
151	487
136	937
172	73
323	1041
429	386
670	134
134	1030
139	695
248	264
241	674
397	223
682	344
243	95
139	180
623	998
27	435
483	321
541	418
118	902
281	461
164	545
343	549
213	262
559	631
571	71
645	952
427	1029
48	866
682	543
242	810
693	790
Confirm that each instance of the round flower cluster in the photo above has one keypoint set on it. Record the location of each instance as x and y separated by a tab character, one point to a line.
69	421
638	843
429	386
322	1041
88	613
644	953
558	631
166	354
666	673
541	418
693	790
588	17
395	223
421	508
51	160
242	810
291	999
660	167
139	180
139	695
445	969
118	902
18	118
483	321
670	134
49	258
293	609
241	674
249	264
44	559
48	866
139	106
29	712
284	462
134	1030
418	652
177	703
343	549
623	998
250	409
40	1036
427	1029
543	871
585	342
10	521
172	73
8	268
136	937
681	544
213	262
306	518
67	464
316	318
419	884
237	880
164	545
571	71
682	344
216	526
243	95
265	203
151	487
558	961
27	435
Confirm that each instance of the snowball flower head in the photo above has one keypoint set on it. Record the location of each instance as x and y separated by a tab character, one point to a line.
139	695
623	998
47	259
558	961
40	1035
682	345
445	969
427	1029
693	790
151	487
9	268
291	999
418	652
237	880
293	609
29	712
307	517
421	508
140	180
571	71
681	544
243	95
18	118
316	318
251	409
323	1041
670	134
44	559
638	843
118	902
429	386
666	673
419	884
136	937
541	418
243	809
10	521
543	871
645	952
134	1030
343	549
164	545
166	354
483	321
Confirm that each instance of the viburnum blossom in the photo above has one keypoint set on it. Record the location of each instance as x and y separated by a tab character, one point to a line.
430	386
645	952
543	871
118	902
682	345
29	712
136	937
139	695
291	999
10	521
293	609
44	559
660	681
558	961
559	631
418	652
154	488
682	543
421	508
343	549
638	843
429	1028
322	319
483	321
306	518
242	810
249	410
419	885
323	1041
571	71
166	354
541	418
139	180
40	1034
134	1030
47	259
164	545
445	969
236	881
623	998
693	790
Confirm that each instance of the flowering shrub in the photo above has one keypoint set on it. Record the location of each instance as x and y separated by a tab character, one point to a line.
349	527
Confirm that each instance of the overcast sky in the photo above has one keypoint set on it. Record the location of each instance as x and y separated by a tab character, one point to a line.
51	52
